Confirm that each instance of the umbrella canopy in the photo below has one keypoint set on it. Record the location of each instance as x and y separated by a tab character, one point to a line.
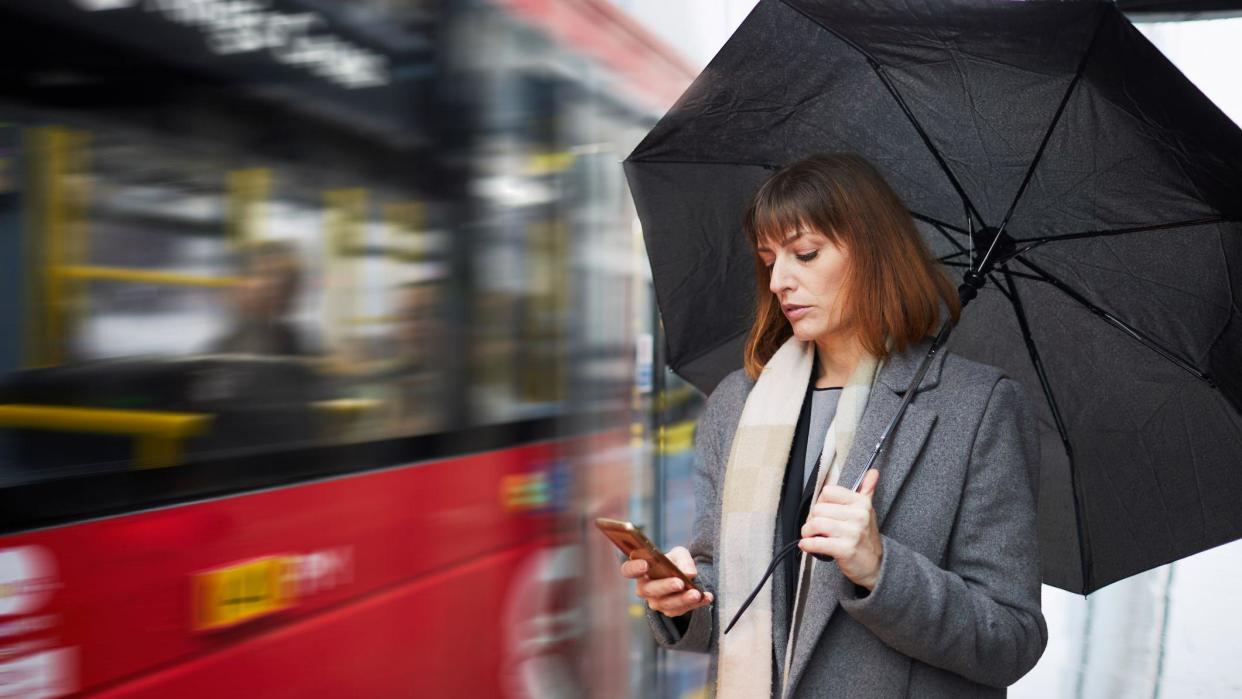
1052	135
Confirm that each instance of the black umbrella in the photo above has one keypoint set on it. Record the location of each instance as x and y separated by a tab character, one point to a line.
1048	148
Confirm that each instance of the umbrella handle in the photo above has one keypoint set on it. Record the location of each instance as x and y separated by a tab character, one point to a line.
857	484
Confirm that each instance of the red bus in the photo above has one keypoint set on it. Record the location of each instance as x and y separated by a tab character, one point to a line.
325	336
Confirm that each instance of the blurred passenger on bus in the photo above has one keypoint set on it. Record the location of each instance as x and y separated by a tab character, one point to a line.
415	367
263	301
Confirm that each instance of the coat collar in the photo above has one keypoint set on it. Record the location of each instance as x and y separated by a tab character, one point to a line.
900	367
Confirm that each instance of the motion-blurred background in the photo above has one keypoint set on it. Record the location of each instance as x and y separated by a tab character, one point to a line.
326	330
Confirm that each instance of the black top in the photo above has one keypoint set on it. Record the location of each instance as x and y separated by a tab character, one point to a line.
798	489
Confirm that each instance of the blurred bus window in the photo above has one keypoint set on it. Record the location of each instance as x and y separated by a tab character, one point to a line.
202	270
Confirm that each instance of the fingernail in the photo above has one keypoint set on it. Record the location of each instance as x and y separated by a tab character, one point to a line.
694	595
679	585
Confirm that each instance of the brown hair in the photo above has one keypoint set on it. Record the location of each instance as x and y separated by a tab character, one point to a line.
892	287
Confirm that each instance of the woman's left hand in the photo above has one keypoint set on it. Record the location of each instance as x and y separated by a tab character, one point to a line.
842	524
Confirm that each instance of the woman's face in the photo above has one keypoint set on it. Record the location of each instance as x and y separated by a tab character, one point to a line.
808	271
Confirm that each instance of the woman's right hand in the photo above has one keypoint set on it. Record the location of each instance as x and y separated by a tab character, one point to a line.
668	596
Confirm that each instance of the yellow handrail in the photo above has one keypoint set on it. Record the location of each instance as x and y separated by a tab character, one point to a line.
158	434
144	276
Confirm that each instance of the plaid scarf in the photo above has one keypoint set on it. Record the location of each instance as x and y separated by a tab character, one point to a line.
752	493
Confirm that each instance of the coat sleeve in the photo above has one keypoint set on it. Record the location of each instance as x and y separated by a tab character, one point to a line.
696	631
980	616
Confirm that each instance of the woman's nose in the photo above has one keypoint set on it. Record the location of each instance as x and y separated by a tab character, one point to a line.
780	281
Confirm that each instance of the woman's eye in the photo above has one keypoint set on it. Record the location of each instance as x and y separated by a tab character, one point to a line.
808	256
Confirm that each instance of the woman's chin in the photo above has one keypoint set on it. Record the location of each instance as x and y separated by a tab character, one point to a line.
804	332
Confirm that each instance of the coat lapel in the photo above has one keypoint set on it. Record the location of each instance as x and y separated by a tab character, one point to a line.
827	583
780	613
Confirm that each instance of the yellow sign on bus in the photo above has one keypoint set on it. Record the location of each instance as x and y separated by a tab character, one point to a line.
228	596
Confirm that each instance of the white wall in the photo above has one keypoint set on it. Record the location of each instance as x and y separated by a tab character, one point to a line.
1209	53
697	28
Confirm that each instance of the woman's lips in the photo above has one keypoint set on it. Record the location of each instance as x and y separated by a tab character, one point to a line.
794	312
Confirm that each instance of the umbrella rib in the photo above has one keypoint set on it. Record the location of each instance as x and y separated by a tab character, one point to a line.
962	251
937	222
1040	240
1084	549
1000	287
1033	351
1116	322
901	102
1020	275
1056	119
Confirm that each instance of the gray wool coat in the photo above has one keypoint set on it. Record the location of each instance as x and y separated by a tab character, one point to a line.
955	611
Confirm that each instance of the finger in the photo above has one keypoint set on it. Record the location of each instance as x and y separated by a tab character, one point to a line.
681	558
690	598
826	546
676	604
685	602
634	569
655	589
867	489
820	526
844	513
660	588
840	495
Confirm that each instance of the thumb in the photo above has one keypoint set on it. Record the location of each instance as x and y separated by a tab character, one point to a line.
683	560
869	481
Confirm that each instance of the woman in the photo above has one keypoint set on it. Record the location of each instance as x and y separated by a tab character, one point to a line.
933	585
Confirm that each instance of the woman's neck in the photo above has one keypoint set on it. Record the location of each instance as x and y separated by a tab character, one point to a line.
838	356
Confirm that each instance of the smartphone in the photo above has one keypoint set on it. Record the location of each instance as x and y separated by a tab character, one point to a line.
634	544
